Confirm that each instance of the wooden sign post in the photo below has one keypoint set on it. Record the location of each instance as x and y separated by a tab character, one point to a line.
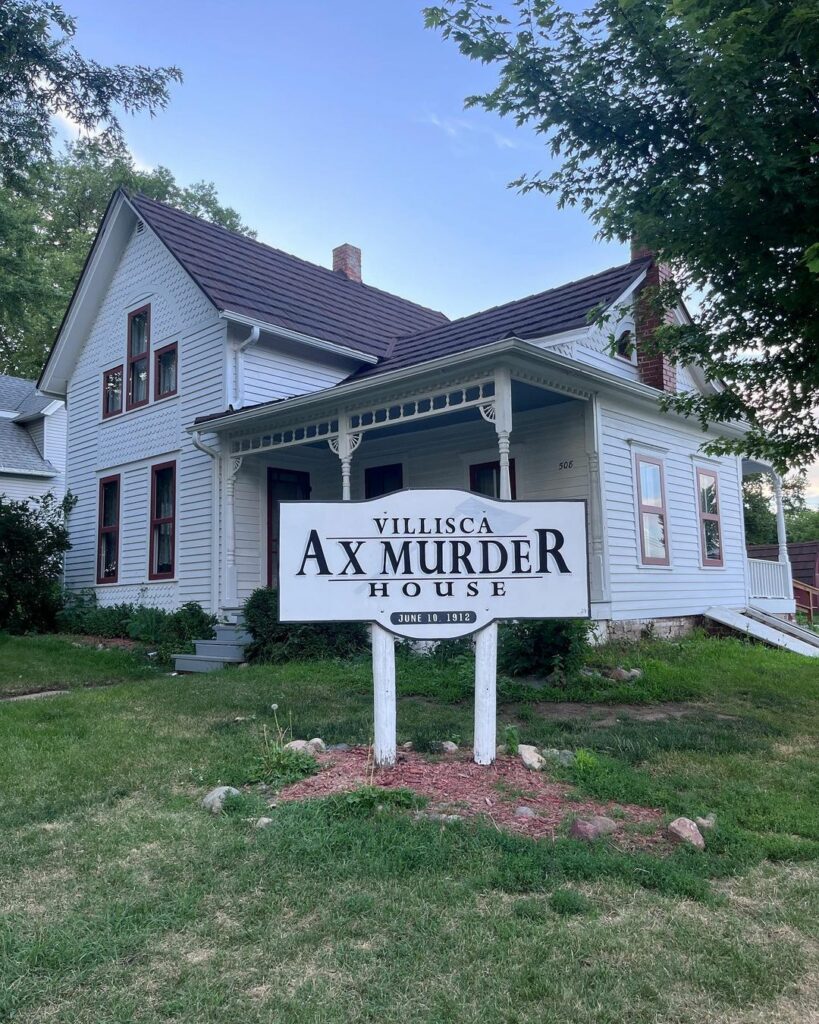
432	565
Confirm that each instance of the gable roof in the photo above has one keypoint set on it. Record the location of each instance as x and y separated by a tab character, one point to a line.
560	309
240	275
18	452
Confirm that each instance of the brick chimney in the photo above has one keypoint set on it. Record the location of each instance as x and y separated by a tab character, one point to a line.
655	368
347	261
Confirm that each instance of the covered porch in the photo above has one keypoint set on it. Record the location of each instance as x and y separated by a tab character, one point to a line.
770	582
507	430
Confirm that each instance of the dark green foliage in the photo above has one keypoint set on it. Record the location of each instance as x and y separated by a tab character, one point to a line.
82	615
278	766
369	800
569	902
691	124
33	540
542	646
275	641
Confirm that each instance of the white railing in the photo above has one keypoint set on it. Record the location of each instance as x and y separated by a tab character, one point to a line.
769	579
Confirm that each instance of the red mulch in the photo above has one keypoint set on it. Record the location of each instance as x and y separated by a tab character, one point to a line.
454	784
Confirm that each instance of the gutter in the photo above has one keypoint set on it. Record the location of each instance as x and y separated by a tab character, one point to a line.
12	471
304	339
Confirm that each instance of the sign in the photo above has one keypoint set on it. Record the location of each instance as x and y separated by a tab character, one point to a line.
431	564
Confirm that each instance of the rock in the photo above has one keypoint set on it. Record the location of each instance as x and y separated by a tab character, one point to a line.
340	747
445	819
501	750
524	812
407	745
590	829
684	830
316	745
214	800
565	757
300	746
635	673
588	673
244	664
448	747
619	674
709	821
530	757
551	753
263	823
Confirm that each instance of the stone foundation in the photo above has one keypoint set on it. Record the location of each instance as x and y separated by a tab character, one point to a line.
638	629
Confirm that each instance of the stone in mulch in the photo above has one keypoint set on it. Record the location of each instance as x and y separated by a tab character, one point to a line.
524	812
300	746
590	829
457	786
215	799
530	757
684	830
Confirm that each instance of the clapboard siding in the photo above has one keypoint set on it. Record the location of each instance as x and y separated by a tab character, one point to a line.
130	443
279	370
22	488
686	588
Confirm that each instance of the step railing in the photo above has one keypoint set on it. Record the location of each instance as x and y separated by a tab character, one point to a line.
807	599
769	579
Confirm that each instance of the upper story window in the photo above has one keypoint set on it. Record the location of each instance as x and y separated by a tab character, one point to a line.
163	521
652	513
139	342
112	392
484	478
709	516
165	371
108	530
380	480
624	346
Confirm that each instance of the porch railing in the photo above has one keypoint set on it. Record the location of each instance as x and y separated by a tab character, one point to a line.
769	579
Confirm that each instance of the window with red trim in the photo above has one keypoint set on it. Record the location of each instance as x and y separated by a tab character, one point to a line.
112	392
165	371
163	521
484	478
139	343
652	514
108	530
710	526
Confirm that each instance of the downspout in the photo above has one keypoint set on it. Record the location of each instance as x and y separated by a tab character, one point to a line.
238	367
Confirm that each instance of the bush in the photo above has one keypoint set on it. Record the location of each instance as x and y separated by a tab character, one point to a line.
538	647
82	614
33	540
278	641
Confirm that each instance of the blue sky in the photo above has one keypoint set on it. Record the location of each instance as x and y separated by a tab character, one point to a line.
325	121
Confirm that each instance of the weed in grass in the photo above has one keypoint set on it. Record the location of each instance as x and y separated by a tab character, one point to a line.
511	738
278	765
366	801
569	902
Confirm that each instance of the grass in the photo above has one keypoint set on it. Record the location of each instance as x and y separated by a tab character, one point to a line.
120	900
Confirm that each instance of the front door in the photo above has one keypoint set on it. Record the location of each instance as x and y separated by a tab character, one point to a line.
282	485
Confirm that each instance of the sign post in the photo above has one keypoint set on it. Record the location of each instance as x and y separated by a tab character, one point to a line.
431	565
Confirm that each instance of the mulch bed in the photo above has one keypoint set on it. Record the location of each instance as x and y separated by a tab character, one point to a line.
454	784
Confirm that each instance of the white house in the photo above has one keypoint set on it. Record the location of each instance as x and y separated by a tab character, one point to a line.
32	441
207	376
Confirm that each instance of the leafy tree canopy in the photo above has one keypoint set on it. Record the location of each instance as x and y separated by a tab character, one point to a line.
42	74
801	521
694	125
48	227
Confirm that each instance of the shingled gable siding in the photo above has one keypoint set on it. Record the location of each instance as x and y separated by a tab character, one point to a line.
435	457
129	443
685	587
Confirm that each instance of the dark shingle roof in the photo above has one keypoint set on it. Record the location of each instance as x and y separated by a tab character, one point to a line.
18	452
538	316
244	276
21	396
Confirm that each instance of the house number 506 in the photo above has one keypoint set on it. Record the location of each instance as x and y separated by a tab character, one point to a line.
566	464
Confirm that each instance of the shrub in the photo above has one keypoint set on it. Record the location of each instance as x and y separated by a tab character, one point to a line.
146	625
33	540
542	646
278	641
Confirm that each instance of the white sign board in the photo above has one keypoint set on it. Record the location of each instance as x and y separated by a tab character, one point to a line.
431	564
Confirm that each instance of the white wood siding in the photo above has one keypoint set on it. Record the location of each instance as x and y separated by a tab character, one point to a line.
686	587
21	488
281	369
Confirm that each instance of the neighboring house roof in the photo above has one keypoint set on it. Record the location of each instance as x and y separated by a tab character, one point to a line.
241	275
18	452
551	312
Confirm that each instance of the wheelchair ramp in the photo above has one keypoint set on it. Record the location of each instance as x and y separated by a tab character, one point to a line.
767	629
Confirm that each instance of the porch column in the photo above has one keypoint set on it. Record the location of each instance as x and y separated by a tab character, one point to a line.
597	544
230	467
503	428
383	642
782	535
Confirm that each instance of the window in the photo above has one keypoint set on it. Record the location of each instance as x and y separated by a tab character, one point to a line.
165	371
112	392
624	346
710	530
139	340
108	531
651	515
380	480
163	521
484	478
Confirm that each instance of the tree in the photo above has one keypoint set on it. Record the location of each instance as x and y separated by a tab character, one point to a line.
801	522
694	125
42	74
47	229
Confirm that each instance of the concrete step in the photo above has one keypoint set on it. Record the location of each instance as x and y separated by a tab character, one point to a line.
223	650
199	663
231	634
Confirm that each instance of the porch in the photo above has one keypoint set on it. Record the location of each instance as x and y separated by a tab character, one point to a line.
508	433
770	581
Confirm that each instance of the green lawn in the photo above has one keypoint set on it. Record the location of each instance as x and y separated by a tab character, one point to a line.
122	901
